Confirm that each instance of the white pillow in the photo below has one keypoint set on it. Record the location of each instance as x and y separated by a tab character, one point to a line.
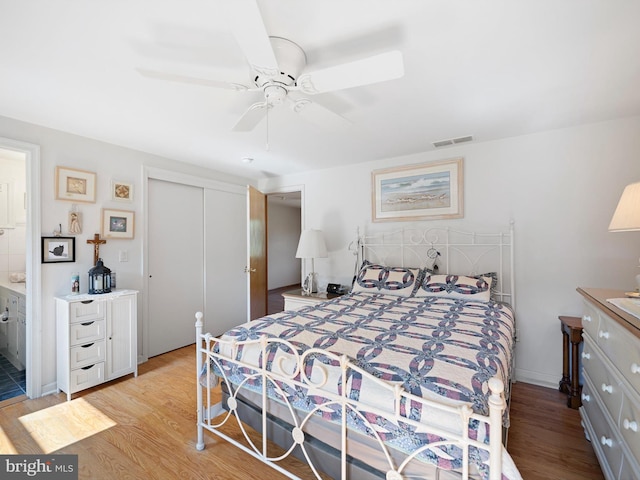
373	278
456	286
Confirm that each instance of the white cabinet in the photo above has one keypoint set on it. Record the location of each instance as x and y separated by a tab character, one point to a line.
96	339
13	329
611	393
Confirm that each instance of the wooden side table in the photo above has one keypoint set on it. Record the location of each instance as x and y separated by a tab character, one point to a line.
571	328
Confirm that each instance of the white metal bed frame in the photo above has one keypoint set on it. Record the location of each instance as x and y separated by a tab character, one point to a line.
411	246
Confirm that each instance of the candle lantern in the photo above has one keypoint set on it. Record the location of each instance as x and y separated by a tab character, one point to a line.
99	278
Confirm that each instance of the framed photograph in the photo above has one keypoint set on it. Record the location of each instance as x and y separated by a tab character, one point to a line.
58	249
428	191
121	191
75	185
117	223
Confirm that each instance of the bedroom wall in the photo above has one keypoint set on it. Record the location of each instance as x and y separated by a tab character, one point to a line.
560	187
109	162
283	234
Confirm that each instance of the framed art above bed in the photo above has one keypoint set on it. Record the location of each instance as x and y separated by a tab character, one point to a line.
428	191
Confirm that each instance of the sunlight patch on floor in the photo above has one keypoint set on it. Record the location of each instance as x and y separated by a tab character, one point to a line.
60	425
6	445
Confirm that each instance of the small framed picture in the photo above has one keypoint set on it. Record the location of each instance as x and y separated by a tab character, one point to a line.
75	185
118	223
121	191
58	249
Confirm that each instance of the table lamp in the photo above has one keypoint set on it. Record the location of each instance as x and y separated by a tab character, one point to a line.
311	245
626	218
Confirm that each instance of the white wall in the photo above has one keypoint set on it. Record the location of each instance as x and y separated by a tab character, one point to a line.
283	234
109	162
561	188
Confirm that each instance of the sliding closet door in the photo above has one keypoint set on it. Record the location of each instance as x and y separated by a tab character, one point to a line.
226	255
175	263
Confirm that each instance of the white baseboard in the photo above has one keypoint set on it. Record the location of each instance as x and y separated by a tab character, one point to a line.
537	378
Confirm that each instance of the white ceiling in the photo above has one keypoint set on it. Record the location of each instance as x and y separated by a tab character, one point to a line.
491	69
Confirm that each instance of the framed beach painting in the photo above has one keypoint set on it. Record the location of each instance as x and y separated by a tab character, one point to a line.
427	191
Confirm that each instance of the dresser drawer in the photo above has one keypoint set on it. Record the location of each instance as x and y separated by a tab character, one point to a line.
87	311
603	438
630	424
81	333
591	320
605	383
86	377
88	354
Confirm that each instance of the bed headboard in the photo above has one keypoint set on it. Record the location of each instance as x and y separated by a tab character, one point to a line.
458	252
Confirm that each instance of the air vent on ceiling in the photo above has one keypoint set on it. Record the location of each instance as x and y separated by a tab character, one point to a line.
452	141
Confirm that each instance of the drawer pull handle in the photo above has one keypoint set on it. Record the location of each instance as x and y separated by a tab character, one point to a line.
586	318
88	345
87	324
607	442
586	397
635	368
602	334
630	425
586	355
86	301
607	388
87	368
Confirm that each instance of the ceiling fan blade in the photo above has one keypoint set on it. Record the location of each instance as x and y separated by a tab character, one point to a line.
251	117
251	34
319	115
173	77
378	68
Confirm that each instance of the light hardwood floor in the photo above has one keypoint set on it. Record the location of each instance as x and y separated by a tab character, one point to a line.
144	428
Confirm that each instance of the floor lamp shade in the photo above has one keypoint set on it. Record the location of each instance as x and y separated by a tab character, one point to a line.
626	218
311	245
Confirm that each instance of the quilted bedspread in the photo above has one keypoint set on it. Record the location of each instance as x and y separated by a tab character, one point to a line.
434	347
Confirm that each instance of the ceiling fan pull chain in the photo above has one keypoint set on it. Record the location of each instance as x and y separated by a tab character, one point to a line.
267	145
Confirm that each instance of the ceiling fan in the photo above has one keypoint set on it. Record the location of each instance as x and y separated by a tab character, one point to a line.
278	67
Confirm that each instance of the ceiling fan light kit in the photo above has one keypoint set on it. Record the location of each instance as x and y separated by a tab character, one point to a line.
278	67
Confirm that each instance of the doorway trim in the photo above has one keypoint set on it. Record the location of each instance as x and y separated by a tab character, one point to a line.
33	268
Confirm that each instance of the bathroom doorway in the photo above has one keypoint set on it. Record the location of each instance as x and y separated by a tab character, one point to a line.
13	268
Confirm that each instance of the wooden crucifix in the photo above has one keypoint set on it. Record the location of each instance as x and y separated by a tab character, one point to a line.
97	241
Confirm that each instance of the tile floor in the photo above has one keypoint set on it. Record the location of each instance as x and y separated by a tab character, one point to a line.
12	380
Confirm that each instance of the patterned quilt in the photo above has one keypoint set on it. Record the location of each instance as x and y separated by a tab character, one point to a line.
433	347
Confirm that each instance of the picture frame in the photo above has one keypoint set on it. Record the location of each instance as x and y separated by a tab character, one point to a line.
121	191
118	223
427	191
75	185
58	249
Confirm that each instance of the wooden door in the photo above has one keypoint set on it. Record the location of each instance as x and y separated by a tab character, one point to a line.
175	264
257	253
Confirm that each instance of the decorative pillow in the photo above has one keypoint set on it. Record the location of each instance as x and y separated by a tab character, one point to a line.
456	286
374	278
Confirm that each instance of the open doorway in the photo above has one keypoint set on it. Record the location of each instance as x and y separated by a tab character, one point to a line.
13	258
284	224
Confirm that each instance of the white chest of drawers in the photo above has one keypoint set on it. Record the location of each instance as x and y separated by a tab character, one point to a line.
96	339
611	393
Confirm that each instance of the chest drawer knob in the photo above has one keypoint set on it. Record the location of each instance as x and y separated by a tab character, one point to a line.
630	425
635	368
586	318
607	388
607	442
586	397
586	355
603	334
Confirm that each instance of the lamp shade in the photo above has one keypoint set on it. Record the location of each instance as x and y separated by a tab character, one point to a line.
311	245
627	215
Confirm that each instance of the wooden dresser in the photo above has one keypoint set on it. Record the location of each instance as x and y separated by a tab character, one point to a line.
611	392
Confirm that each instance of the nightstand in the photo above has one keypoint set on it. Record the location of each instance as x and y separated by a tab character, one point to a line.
295	299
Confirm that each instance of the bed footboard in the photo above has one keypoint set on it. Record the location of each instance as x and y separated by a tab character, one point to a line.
290	377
